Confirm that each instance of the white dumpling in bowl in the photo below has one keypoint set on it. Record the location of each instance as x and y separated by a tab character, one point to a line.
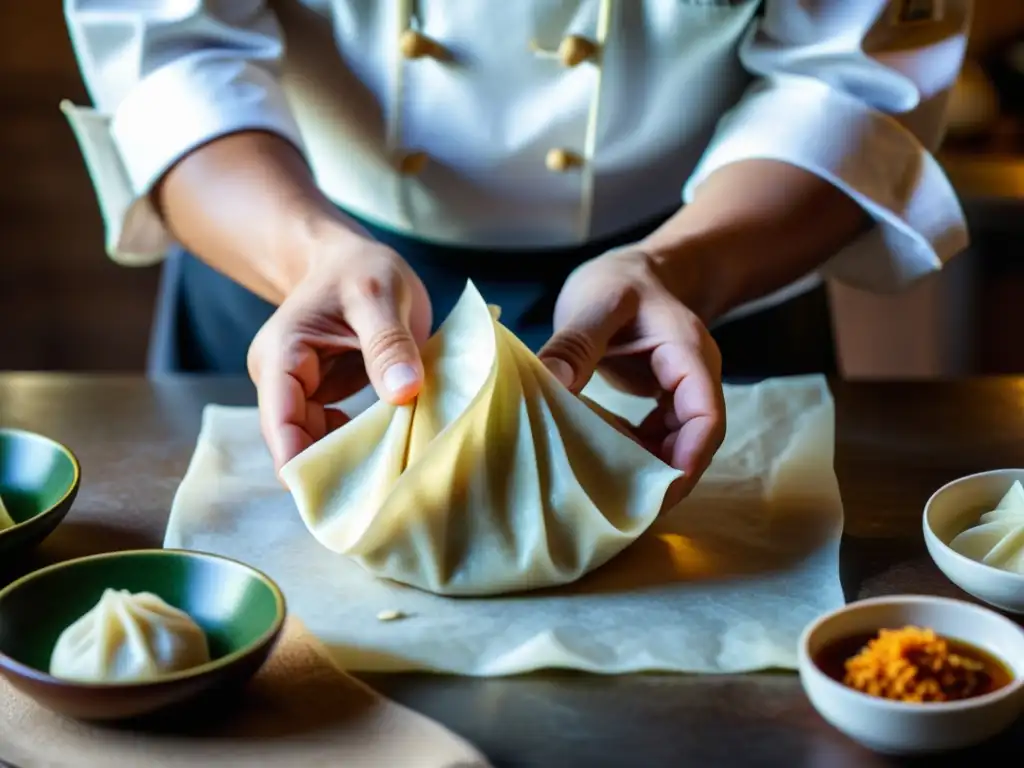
6	521
1008	553
999	544
1010	507
497	479
129	637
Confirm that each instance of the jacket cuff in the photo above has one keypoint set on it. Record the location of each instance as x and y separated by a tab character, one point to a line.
870	156
176	109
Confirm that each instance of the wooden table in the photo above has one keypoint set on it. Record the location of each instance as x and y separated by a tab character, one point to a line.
896	443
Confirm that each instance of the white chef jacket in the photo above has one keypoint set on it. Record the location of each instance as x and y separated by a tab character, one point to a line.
853	91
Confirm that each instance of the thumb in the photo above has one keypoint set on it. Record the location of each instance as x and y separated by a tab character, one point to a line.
573	352
390	353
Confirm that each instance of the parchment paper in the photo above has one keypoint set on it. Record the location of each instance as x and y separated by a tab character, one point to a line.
299	710
723	583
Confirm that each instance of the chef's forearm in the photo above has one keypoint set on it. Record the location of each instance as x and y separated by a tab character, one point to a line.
248	205
752	228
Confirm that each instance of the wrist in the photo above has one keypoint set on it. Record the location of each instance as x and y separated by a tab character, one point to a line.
318	235
686	271
248	205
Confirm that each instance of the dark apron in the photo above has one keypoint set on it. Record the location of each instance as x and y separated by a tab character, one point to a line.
205	321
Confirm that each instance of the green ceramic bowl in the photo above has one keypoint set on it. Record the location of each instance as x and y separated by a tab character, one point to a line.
39	480
241	611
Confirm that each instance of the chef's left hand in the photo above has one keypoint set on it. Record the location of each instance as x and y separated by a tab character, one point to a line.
615	314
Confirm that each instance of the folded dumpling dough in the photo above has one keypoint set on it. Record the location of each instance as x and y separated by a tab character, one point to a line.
497	479
998	539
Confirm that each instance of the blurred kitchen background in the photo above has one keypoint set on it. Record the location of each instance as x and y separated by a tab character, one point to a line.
64	306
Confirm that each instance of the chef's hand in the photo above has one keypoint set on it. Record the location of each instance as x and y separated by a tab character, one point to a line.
358	313
616	315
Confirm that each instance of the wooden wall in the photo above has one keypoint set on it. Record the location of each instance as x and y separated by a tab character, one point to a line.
994	22
63	305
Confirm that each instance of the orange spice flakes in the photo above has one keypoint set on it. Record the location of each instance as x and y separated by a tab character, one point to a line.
915	665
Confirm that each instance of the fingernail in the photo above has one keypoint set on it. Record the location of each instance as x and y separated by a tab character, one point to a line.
561	369
400	377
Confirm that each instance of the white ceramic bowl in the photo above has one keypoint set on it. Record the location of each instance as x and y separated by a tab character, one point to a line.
952	509
894	727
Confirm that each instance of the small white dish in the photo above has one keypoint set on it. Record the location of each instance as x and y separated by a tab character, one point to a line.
900	728
952	509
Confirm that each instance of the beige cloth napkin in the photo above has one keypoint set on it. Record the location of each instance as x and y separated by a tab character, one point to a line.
299	710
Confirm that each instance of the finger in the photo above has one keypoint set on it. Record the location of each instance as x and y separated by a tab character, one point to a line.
573	352
693	446
652	432
341	377
286	373
630	373
661	421
697	401
379	315
659	433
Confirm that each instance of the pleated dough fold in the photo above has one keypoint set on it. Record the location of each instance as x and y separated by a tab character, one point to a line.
129	637
496	480
998	538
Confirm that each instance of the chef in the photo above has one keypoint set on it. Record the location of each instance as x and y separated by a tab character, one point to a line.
619	175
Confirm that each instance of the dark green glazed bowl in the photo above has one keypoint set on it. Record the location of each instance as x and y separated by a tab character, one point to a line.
241	611
39	479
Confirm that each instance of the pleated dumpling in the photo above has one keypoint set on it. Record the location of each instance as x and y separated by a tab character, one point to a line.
6	521
129	637
497	479
999	544
1010	508
998	539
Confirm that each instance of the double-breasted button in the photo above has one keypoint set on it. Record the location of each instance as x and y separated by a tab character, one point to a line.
574	50
415	45
413	163
561	160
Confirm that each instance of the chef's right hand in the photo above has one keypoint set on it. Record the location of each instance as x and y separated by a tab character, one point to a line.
359	313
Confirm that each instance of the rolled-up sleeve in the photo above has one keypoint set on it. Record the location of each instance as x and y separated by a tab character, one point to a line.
855	93
165	78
